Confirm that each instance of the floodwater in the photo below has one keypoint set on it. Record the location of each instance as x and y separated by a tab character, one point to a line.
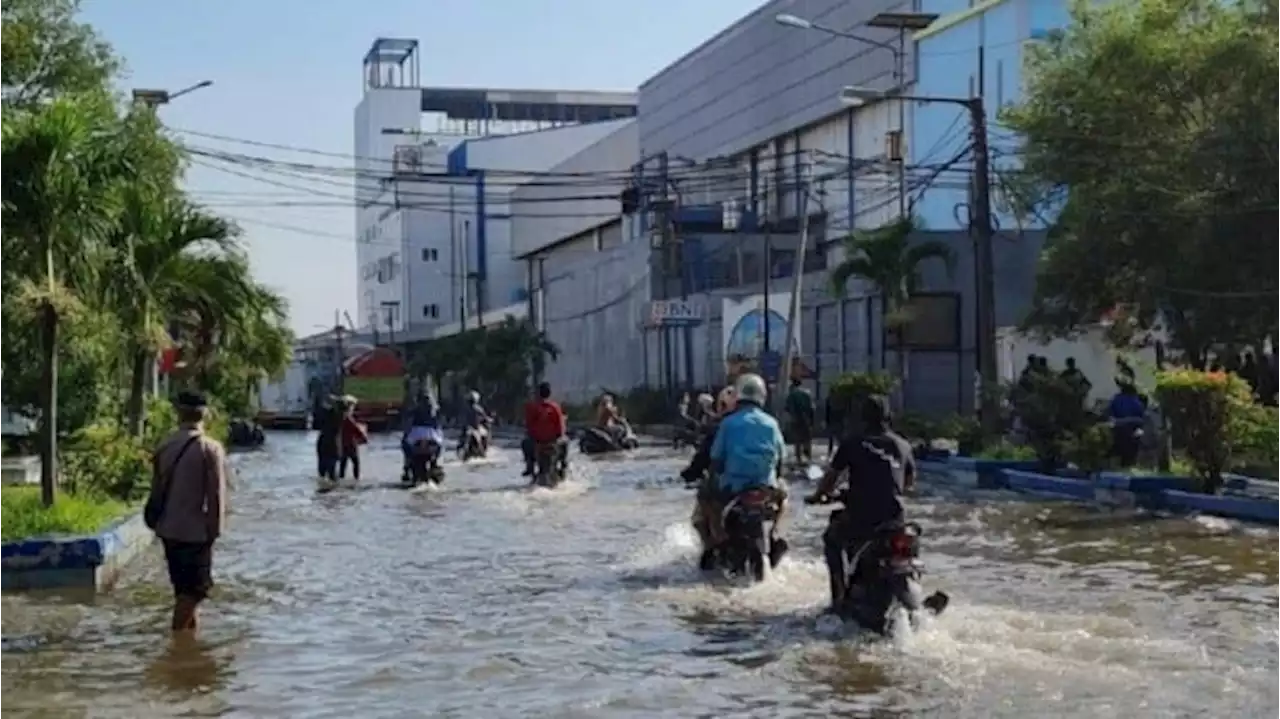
487	600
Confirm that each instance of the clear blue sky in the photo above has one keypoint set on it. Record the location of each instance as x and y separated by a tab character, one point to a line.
288	72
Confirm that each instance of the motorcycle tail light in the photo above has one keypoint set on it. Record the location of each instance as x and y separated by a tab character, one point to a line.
901	545
755	497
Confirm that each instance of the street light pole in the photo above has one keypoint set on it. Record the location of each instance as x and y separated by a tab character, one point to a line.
793	310
984	235
902	22
153	97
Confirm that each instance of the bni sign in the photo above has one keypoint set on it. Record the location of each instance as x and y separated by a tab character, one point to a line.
674	312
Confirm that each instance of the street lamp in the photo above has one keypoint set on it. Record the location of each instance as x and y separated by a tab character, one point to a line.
980	226
153	97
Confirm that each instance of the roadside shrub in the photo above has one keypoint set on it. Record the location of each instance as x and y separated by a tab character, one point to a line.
1052	411
964	430
1090	448
102	459
1005	450
1213	415
1259	450
851	388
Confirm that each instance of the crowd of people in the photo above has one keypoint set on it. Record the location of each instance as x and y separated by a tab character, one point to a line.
741	449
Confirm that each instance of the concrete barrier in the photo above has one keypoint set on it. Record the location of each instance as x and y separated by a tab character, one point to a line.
971	472
1048	485
1244	499
92	562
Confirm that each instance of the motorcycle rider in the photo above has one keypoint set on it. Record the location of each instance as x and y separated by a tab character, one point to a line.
881	469
474	417
544	423
746	454
697	473
424	423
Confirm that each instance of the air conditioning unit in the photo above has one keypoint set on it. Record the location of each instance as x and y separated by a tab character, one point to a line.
407	160
893	146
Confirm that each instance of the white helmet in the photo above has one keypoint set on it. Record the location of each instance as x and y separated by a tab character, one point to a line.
751	388
473	396
706	400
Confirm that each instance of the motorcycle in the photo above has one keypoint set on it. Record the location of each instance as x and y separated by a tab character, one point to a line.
598	440
424	462
751	542
881	575
474	444
549	466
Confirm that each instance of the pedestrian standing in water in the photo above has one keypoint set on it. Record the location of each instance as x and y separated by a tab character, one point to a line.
189	496
329	439
353	435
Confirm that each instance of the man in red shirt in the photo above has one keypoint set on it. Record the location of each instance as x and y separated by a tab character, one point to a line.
544	423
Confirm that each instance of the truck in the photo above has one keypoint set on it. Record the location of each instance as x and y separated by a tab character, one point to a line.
376	379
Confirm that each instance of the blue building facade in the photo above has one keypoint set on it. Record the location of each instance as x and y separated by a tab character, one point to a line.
974	49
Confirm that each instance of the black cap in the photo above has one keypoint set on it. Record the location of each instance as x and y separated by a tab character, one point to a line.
875	410
191	400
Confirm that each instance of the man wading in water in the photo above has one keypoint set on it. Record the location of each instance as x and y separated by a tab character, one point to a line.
189	487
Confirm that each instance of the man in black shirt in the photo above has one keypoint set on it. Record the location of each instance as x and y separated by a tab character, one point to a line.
881	468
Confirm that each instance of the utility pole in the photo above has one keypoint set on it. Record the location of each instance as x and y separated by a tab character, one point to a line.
793	311
338	331
768	279
466	274
985	262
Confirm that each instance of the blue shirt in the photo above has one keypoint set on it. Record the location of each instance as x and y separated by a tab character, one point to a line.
747	448
1127	406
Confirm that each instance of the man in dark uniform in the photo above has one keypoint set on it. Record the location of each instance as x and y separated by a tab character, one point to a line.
881	469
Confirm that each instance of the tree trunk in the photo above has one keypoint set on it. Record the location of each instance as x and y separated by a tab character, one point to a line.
49	405
137	390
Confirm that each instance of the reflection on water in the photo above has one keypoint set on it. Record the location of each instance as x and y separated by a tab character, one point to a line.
484	599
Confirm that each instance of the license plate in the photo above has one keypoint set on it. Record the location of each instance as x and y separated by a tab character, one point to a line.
902	565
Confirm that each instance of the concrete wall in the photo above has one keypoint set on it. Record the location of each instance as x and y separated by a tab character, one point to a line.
553	208
757	79
846	334
591	306
507	162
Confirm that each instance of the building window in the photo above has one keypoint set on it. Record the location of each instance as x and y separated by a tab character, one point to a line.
431	311
430	254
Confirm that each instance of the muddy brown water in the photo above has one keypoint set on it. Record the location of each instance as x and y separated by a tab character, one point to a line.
487	600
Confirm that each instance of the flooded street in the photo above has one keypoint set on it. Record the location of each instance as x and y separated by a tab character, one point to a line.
487	600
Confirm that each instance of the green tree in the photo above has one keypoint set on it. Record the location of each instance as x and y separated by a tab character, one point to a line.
62	178
888	259
46	52
1152	125
157	234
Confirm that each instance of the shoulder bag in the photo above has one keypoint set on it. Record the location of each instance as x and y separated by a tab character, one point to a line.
154	509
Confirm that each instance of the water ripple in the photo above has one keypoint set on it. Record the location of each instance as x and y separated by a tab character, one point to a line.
486	599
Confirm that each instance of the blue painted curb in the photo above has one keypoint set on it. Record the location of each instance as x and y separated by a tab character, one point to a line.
87	562
1156	492
1043	484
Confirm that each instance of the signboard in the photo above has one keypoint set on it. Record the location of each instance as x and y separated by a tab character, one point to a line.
743	322
675	312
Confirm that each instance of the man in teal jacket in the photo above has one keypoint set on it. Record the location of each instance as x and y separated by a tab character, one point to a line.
748	449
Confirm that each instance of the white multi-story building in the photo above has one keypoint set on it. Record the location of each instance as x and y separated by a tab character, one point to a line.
435	171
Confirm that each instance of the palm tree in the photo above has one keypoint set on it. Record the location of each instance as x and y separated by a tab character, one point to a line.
157	234
62	175
887	258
